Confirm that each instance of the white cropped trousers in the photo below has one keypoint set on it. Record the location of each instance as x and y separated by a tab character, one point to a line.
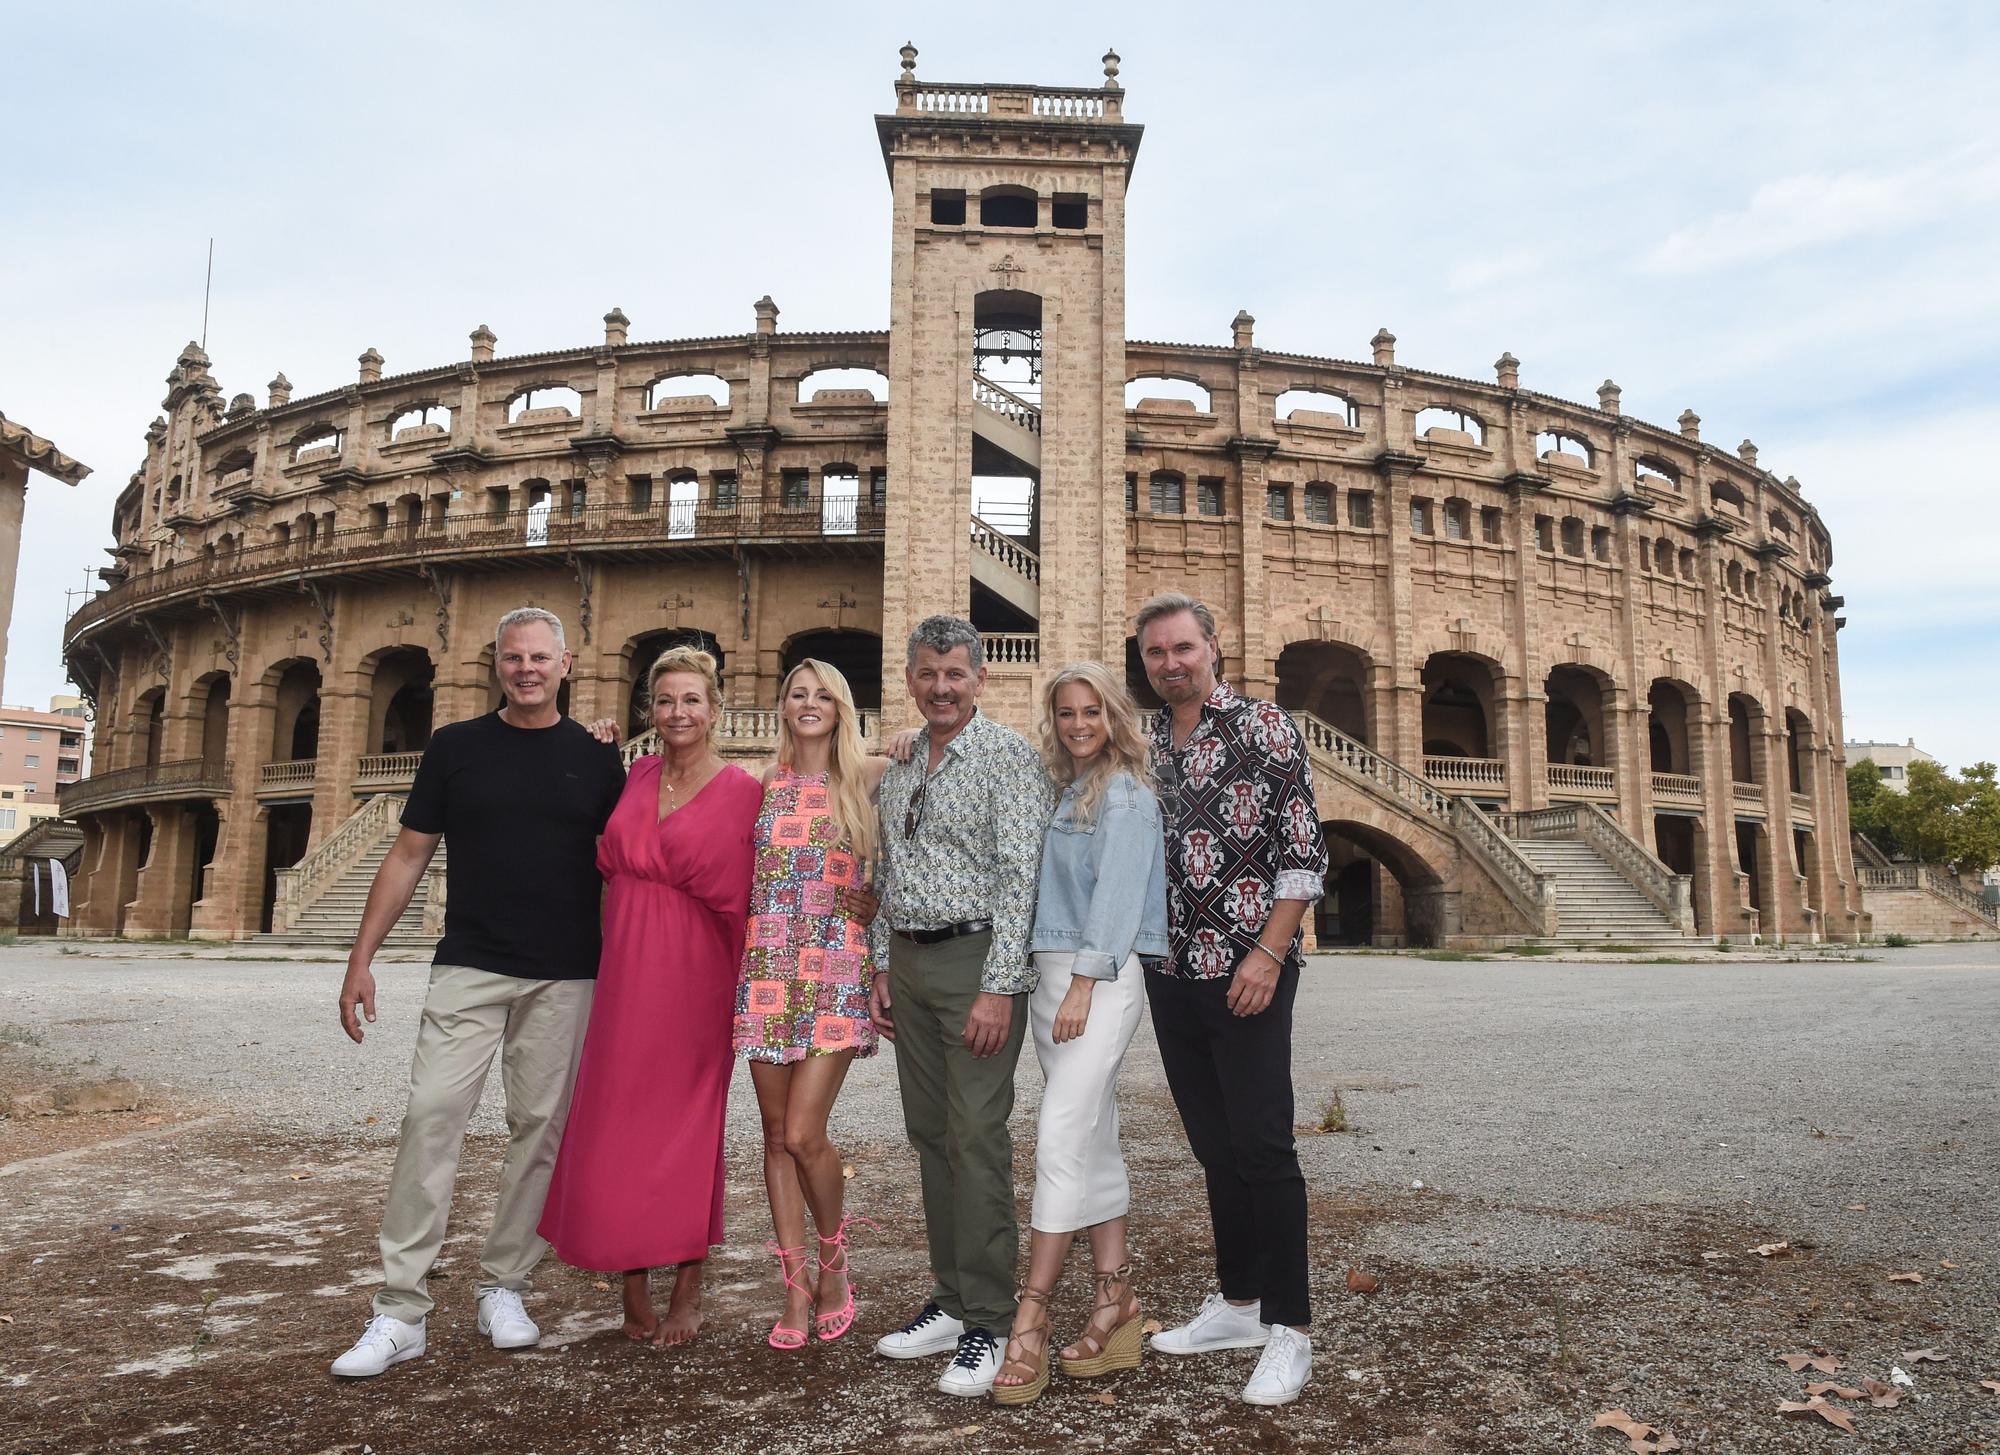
1079	1170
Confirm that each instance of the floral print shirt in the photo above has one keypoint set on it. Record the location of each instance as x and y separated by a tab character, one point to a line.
977	850
1242	829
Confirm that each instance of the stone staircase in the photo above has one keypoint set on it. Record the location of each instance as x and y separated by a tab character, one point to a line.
321	905
1595	903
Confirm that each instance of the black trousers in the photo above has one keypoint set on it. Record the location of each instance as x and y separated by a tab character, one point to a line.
1231	1077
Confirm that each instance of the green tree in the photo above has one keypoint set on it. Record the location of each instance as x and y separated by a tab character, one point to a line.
1943	818
1864	805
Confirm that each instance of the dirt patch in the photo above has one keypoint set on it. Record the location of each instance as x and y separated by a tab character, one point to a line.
188	1295
49	1105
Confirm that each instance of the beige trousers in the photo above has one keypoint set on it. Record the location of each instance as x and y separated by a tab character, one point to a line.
537	1027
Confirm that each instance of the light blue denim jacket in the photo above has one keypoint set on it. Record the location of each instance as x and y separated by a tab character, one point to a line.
1103	892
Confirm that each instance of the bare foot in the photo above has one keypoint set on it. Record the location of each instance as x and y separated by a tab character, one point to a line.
640	1320
683	1309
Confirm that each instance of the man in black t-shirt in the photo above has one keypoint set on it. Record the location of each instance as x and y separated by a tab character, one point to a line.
522	794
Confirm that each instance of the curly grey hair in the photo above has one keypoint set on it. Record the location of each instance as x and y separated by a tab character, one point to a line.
521	616
942	634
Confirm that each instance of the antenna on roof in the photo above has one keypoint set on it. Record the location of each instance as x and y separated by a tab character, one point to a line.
207	286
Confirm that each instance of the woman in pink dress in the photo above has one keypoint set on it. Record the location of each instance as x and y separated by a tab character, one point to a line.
638	1182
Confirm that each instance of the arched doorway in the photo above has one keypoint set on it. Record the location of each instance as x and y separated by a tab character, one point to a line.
642	652
400	699
1574	717
1671	711
1328	680
295	722
1136	681
857	655
1746	720
215	720
1460	691
1799	750
1378	890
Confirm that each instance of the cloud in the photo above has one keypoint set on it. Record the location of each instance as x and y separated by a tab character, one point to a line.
1817	208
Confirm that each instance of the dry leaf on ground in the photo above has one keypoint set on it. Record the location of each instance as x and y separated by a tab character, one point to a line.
1838	1391
150	1121
1104	1397
1799	1362
1946	1263
1882	1396
601	1286
1151	1326
1360	1282
1839	1418
1713	1257
847	1169
1857	1207
1623	1423
6	1318
1906	1278
1661	1446
300	1176
1922	1356
1769	1250
1992	1384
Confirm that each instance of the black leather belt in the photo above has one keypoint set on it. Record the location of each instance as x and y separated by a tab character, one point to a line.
949	932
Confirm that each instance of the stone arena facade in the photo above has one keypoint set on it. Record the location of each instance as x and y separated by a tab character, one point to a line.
1505	619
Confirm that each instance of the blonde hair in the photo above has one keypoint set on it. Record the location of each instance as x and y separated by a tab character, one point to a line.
696	663
1126	750
846	780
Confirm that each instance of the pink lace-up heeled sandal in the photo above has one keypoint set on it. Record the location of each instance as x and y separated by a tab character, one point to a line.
783	1335
832	1326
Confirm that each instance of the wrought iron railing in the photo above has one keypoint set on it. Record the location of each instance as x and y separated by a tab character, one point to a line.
186	778
477	535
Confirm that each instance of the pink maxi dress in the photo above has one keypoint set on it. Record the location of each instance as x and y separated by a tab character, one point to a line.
638	1182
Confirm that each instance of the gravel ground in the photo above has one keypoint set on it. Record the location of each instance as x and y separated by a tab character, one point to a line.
1583	1134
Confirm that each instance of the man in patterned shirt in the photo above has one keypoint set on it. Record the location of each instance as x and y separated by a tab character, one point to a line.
1245	858
962	826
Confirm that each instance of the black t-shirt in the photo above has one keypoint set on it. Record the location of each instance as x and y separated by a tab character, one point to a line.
520	810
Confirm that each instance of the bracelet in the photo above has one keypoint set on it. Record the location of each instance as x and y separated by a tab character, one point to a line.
1276	958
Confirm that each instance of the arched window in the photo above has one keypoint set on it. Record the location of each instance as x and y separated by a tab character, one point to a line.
688	391
1653	471
544	401
1735	578
1007	207
843	386
683	500
1317	406
1555	442
1726	496
1151	388
316	442
840	500
1447	424
420	421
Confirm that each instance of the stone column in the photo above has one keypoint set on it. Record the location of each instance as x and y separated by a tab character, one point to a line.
1395	469
166	883
1527	769
343	739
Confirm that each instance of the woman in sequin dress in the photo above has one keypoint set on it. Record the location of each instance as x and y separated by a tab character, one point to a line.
802	996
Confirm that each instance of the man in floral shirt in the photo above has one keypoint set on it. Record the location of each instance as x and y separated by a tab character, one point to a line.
1245	859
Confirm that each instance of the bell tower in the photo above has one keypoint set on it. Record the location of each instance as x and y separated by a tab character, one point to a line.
1006	447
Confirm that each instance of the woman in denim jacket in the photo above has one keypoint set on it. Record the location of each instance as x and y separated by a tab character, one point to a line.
1100	909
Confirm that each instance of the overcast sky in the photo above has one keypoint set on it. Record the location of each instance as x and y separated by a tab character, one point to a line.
1783	216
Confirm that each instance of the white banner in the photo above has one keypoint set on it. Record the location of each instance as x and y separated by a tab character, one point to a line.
35	877
58	889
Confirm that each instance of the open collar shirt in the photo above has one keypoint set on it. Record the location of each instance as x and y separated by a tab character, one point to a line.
1242	828
977	851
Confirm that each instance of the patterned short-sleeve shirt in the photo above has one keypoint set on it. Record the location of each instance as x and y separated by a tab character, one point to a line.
1242	828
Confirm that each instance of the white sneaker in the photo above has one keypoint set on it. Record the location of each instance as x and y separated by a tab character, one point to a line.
501	1315
931	1332
973	1370
1282	1369
384	1342
1217	1324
